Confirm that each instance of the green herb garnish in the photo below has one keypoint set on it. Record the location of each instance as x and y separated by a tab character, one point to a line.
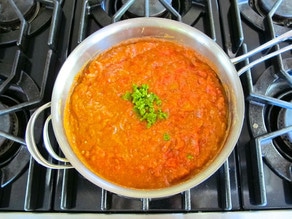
146	105
190	157
166	137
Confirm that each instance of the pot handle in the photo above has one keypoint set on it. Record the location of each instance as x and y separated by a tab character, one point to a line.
281	38
31	144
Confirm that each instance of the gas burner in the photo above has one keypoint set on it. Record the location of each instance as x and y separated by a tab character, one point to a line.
36	14
280	118
256	11
14	156
13	124
272	123
8	17
283	14
156	9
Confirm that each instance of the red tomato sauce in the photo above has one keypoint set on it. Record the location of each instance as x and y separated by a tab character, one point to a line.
110	139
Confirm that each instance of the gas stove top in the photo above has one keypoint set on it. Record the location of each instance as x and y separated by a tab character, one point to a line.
35	39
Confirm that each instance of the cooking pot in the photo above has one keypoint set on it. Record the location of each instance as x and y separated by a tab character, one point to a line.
112	35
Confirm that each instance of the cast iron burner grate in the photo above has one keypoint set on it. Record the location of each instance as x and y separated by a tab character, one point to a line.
9	123
283	13
105	12
122	9
13	120
280	118
271	124
264	145
20	19
31	52
256	12
151	8
9	19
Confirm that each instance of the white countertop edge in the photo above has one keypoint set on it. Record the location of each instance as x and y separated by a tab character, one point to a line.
266	214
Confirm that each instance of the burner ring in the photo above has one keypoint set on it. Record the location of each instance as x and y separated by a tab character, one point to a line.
283	11
282	119
282	15
11	124
137	9
273	150
16	157
286	121
8	17
5	126
156	9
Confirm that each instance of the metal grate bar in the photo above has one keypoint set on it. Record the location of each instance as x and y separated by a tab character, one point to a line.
147	9
187	201
50	65
211	20
278	59
83	21
105	200
259	188
145	204
259	145
171	9
258	174
21	41
14	74
55	24
118	15
39	187
66	198
225	194
238	33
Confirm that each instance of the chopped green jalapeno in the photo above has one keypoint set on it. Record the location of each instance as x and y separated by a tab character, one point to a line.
166	137
146	105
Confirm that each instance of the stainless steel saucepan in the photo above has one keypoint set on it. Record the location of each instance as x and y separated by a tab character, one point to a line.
134	28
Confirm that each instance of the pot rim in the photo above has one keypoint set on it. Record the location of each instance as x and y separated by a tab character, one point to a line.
143	23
